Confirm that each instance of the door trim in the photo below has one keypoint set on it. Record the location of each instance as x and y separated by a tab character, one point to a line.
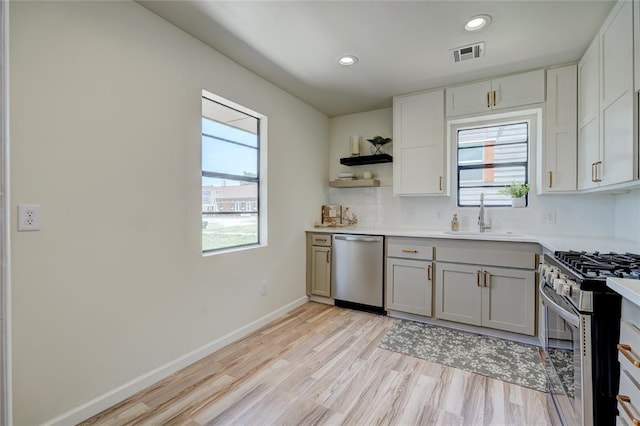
6	412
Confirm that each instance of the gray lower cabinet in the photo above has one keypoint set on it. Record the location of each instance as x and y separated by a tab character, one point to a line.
321	271
409	275
409	286
487	296
319	264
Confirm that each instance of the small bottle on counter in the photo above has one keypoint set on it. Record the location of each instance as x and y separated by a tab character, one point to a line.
455	225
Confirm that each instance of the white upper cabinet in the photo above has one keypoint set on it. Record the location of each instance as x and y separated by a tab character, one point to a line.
499	93
588	115
419	155
616	97
636	44
607	150
469	99
559	149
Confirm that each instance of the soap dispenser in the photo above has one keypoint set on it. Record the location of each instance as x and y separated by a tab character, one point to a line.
455	225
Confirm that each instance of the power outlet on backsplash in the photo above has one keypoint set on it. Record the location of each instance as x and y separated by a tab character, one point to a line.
549	217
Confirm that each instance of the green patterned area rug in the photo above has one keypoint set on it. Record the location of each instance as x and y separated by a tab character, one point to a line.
500	359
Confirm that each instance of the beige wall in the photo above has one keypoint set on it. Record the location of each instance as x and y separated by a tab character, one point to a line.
105	122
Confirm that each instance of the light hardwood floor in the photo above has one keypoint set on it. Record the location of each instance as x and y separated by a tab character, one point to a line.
321	365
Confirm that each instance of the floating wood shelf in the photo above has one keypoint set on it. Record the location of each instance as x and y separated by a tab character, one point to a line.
354	183
360	160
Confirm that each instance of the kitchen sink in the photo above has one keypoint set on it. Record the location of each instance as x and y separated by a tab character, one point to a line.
487	233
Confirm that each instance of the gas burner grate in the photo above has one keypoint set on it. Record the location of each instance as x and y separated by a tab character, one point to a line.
601	265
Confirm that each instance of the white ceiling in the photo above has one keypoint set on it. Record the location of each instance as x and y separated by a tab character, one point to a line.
402	46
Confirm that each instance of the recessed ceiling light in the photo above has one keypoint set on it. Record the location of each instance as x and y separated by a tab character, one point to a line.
477	22
347	60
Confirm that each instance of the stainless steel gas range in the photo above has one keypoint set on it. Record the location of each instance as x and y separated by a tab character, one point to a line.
582	318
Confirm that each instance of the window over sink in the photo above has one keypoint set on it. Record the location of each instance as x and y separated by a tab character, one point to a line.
490	155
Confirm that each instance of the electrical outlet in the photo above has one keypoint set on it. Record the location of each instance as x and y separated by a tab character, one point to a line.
29	217
549	217
264	289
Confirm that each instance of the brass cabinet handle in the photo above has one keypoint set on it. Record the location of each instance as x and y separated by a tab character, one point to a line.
494	98
597	173
626	351
487	275
478	279
440	183
593	179
550	179
624	400
328	257
429	273
409	251
488	101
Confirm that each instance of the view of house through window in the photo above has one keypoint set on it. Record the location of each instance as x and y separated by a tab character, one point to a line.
489	159
230	176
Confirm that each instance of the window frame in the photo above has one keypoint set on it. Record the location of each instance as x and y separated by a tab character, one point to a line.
533	118
260	180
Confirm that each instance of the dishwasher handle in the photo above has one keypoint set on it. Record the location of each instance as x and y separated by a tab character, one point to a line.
359	238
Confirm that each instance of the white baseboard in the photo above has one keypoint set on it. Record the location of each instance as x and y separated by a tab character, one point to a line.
129	389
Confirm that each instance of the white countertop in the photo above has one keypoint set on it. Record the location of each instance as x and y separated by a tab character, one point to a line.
549	242
627	288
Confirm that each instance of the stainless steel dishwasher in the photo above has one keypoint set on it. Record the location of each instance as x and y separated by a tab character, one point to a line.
357	272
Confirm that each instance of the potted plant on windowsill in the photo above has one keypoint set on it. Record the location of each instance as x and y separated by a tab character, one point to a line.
517	191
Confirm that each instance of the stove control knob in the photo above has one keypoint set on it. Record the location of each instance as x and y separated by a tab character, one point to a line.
575	288
557	284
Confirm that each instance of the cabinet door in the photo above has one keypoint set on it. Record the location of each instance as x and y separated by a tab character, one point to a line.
588	116
418	145
589	84
616	100
636	44
409	286
508	299
517	90
588	155
321	271
458	293
469	99
560	147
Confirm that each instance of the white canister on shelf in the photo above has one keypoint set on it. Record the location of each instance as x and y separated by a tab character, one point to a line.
354	145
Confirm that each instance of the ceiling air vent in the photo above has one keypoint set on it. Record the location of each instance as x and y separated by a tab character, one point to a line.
464	53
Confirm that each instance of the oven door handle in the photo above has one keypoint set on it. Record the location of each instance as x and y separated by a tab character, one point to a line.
570	317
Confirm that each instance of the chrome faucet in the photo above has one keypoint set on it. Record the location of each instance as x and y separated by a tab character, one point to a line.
481	221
